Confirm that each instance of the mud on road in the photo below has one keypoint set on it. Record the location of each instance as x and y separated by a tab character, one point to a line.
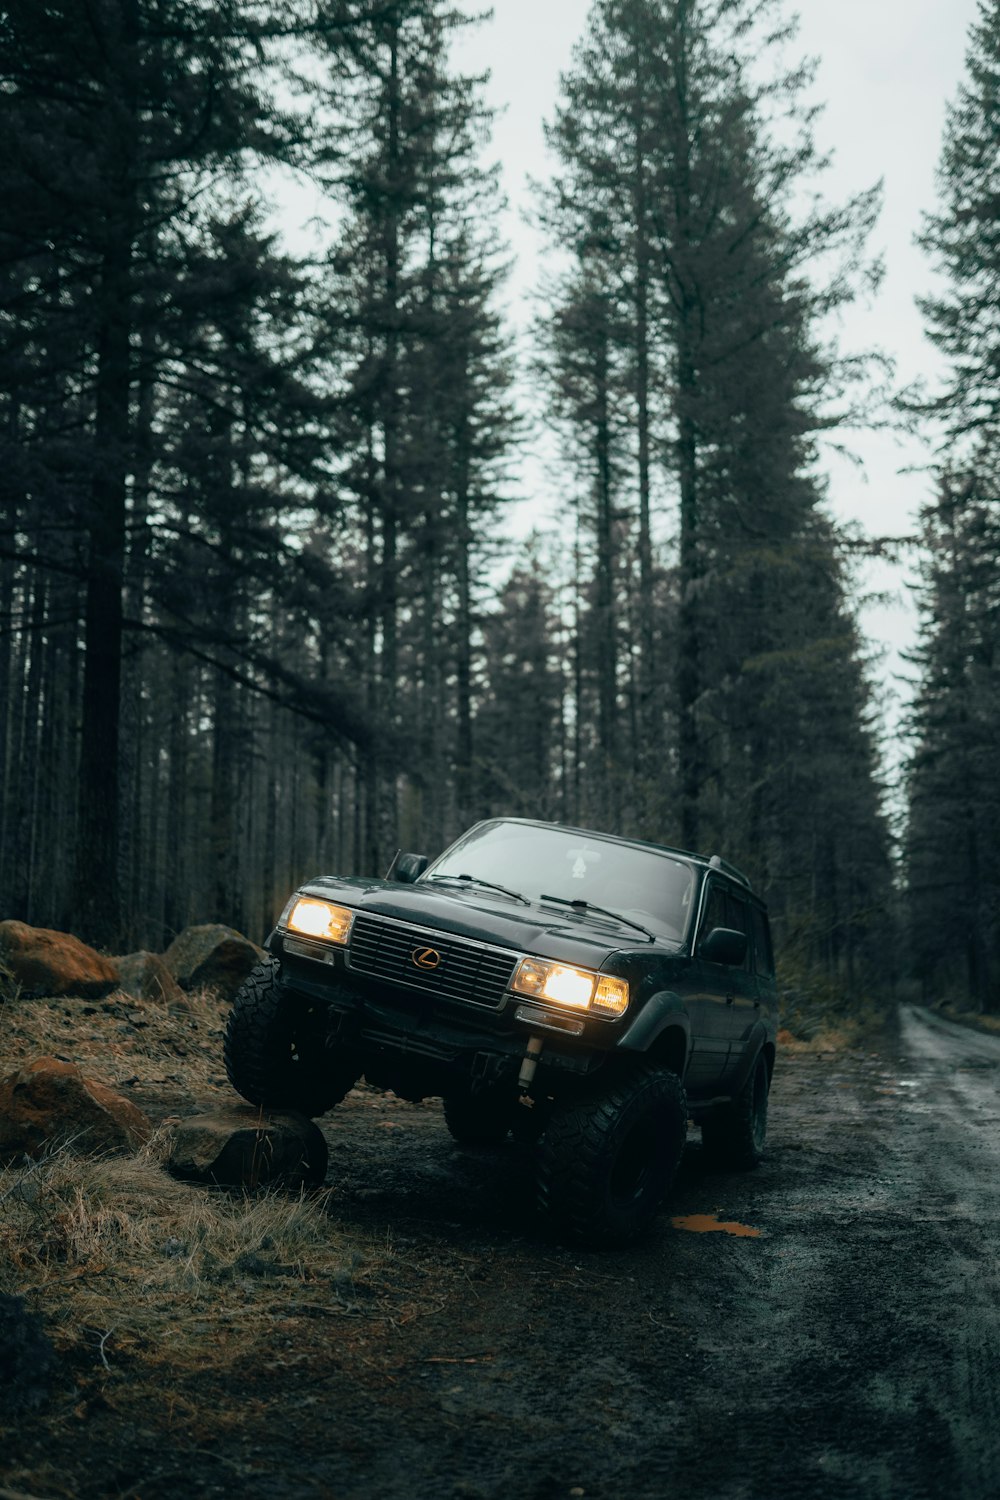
828	1325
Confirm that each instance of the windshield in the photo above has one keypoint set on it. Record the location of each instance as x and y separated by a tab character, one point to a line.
650	888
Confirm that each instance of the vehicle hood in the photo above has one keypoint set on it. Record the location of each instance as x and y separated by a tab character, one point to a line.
569	937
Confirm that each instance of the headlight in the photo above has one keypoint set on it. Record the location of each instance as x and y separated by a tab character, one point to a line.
579	989
611	995
318	919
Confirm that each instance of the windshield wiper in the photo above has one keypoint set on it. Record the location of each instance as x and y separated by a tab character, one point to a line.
585	906
489	885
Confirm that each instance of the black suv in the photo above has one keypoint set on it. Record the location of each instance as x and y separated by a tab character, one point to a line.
585	992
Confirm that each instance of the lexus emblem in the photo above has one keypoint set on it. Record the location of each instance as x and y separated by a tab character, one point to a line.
426	958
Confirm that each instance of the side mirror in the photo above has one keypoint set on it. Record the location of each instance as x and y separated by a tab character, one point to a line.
407	867
724	945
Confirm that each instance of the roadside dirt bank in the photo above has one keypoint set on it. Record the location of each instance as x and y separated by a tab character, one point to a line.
825	1326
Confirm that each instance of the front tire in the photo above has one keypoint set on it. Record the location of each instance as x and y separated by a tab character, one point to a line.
733	1134
607	1162
275	1048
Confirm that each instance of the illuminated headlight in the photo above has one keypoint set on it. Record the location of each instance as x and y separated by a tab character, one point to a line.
579	989
318	919
611	995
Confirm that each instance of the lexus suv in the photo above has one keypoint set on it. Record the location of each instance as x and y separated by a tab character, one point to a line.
587	993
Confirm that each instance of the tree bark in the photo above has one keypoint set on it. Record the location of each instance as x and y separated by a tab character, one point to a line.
97	882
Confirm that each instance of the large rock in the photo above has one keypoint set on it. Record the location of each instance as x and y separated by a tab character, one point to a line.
212	957
47	1102
246	1147
43	962
145	976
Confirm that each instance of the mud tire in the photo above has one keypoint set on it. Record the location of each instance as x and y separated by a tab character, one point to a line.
733	1134
606	1163
275	1048
482	1119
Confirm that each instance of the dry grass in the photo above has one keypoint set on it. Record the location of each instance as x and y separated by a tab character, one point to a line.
9	987
967	1017
126	1261
188	1322
818	1015
172	1051
122	1259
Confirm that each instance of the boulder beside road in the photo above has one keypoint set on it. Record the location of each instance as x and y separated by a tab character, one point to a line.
247	1147
145	976
212	957
48	1101
43	962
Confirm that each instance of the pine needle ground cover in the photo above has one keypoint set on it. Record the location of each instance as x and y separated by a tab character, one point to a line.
164	1311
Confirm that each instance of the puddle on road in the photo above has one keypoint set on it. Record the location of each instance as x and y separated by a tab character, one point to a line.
712	1224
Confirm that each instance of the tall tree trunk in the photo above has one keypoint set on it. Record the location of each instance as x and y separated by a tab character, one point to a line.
97	883
649	716
388	822
688	645
29	743
8	597
136	857
463	668
688	671
367	852
607	623
177	871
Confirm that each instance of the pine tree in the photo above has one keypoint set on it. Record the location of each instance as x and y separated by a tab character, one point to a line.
954	776
519	717
115	116
672	172
954	788
963	240
423	377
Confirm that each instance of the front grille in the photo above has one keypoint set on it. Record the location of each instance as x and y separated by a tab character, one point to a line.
467	972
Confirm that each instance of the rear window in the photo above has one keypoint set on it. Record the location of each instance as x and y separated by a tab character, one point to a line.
763	952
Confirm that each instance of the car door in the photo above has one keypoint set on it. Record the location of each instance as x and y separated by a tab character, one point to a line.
709	1004
742	996
764	963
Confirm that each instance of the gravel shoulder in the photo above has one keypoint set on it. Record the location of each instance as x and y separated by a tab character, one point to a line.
835	1336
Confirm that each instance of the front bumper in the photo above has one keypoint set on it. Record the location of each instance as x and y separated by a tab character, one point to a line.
444	1032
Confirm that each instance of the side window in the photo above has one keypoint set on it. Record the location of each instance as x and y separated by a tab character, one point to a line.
762	942
715	909
738	917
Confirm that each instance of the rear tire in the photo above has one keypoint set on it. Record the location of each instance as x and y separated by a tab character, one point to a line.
607	1162
275	1048
733	1134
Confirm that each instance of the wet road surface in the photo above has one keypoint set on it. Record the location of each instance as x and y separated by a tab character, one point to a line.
850	1348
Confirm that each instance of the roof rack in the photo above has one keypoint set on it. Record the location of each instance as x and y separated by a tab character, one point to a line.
718	863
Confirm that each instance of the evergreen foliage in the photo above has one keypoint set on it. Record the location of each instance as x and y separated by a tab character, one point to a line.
954	783
963	240
685	361
259	615
954	772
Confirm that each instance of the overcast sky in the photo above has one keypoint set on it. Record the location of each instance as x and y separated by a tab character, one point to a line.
887	69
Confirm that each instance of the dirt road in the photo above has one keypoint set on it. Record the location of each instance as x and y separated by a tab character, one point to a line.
850	1348
840	1338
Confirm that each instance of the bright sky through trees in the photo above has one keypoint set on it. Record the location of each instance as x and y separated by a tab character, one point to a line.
887	69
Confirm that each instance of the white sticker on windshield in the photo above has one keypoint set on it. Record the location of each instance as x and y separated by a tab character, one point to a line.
581	859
